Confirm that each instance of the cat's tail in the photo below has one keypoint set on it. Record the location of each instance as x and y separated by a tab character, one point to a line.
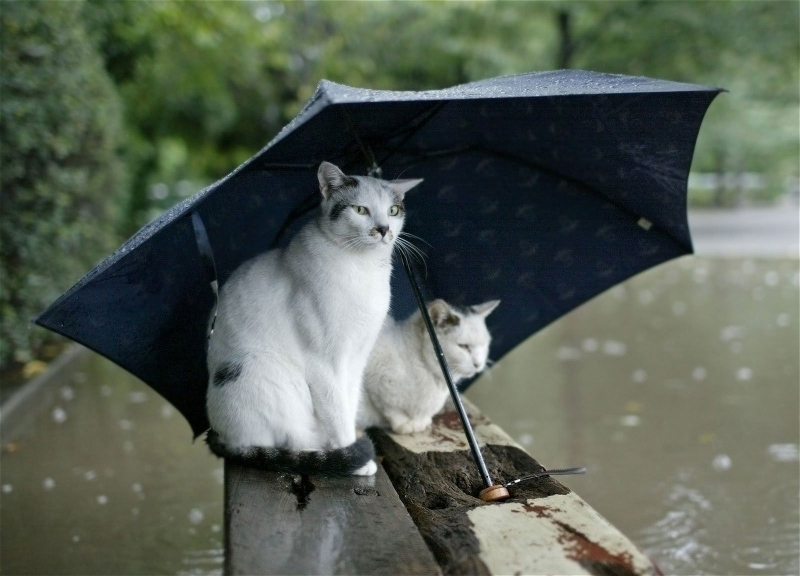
335	462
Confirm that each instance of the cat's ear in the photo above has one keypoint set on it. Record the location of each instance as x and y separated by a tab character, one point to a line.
330	178
441	315
485	309
402	186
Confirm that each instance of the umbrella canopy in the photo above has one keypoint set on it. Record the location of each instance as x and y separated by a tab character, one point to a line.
542	190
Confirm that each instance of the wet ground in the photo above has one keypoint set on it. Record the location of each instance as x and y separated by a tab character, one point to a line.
678	390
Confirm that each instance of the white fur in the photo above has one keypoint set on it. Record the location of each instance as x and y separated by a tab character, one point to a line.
403	385
301	321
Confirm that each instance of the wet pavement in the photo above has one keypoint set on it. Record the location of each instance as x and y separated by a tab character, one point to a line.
678	390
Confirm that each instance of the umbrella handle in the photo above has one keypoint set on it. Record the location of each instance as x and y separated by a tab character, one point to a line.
491	491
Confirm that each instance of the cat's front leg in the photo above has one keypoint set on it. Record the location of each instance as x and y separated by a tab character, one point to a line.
332	406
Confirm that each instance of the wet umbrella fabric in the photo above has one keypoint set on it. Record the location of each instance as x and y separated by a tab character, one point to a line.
541	190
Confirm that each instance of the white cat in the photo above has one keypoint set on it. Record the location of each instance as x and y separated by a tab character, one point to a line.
403	384
294	330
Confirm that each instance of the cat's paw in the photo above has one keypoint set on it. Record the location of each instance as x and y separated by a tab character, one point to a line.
420	425
367	469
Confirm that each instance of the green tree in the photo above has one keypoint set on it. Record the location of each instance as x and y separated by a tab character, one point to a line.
59	170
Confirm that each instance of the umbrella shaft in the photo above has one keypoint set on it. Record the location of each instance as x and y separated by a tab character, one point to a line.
473	444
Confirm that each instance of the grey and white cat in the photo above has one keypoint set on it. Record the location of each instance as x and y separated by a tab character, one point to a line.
403	384
294	330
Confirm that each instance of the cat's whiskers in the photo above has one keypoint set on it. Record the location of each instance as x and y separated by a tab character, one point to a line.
412	251
421	239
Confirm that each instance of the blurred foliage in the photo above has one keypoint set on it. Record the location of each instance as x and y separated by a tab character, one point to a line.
60	123
204	85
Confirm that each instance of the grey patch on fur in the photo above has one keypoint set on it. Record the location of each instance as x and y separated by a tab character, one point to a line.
227	372
337	209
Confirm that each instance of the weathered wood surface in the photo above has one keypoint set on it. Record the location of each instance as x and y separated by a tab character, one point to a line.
542	529
285	524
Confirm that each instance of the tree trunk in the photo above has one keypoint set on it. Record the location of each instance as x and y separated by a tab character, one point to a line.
565	43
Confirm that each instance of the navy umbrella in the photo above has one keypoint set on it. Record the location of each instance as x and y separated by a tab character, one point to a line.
542	190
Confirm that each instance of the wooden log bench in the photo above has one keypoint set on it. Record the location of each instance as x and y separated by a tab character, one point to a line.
421	515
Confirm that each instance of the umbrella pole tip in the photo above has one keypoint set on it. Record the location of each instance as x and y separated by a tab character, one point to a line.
495	493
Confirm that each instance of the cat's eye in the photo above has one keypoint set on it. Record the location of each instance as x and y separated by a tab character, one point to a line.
394	210
464	346
362	210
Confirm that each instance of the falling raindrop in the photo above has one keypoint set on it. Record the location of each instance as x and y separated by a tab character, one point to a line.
645	297
639	376
167	411
678	308
590	345
7	488
105	390
630	420
568	353
699	373
48	483
90	475
76	539
614	348
783	320
771	278
196	516
744	373
135	511
59	415
136	487
215	528
721	462
736	347
729	333
67	393
525	439
784	452
102	499
137	397
125	424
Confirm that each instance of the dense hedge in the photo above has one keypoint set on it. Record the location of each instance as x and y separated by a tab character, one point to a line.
60	125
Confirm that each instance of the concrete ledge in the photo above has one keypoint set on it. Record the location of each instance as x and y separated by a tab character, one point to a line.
287	524
543	529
